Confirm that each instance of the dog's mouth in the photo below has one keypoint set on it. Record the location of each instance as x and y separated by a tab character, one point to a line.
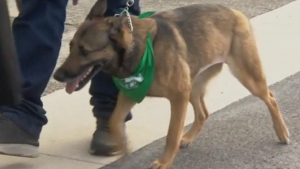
80	81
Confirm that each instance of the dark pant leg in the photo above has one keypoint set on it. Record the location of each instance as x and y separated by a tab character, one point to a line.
103	91
38	32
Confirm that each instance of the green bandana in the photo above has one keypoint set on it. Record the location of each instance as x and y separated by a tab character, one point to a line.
136	86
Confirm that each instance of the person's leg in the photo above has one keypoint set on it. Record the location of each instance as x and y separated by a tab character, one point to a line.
104	93
38	32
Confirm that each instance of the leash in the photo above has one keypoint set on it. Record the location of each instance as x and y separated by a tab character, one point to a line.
125	12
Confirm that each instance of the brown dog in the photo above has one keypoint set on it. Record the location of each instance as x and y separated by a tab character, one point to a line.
190	45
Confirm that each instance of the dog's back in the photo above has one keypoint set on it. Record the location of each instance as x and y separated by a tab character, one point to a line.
204	31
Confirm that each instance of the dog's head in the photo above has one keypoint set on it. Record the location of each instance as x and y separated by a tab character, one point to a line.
99	43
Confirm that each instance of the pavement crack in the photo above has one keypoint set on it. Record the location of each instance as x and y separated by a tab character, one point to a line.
70	158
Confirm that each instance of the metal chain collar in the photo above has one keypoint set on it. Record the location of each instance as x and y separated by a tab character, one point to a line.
127	14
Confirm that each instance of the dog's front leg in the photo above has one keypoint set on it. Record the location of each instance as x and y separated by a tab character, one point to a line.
179	105
117	120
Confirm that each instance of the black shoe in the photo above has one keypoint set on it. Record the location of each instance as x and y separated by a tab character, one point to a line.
16	142
101	143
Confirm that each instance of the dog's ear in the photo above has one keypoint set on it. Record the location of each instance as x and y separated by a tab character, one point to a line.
119	31
97	10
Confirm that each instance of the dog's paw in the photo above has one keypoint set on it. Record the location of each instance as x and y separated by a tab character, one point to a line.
160	165
185	142
283	134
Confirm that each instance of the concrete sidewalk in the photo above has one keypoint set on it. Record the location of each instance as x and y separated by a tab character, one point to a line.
65	140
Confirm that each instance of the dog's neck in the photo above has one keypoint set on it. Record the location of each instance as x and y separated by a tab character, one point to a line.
129	59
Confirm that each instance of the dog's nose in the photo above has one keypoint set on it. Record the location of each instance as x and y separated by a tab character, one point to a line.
60	75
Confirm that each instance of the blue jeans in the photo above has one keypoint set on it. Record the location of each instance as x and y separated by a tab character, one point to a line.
38	32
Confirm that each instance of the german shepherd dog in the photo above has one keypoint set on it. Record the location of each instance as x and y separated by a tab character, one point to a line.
190	43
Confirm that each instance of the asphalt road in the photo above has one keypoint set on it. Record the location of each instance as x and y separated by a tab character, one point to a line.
240	136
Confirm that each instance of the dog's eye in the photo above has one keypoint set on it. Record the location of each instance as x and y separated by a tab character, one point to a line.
83	51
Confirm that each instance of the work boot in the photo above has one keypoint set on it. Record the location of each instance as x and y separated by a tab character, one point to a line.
101	143
16	142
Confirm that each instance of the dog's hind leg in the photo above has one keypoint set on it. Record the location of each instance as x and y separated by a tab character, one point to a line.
245	64
197	101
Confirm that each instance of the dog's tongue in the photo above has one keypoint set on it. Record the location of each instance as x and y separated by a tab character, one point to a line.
71	86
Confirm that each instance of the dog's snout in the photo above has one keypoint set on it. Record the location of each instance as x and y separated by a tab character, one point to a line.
60	75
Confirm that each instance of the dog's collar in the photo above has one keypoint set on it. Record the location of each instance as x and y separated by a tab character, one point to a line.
125	12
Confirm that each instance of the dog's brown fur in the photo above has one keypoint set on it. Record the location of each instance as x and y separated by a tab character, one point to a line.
191	44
